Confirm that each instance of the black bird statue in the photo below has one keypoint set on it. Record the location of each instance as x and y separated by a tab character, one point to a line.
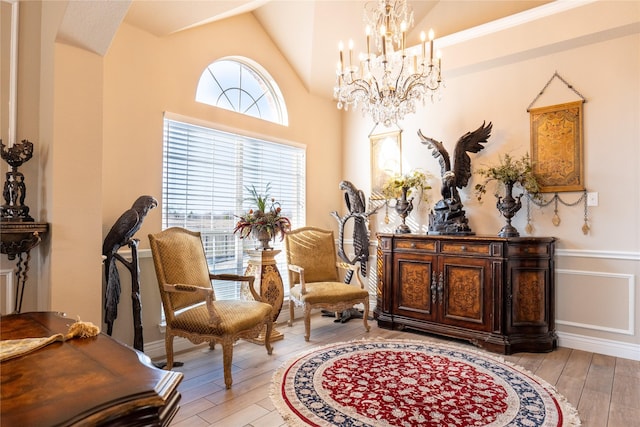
449	217
121	234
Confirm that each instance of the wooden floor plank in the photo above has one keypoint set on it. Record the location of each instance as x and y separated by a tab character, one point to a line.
626	391
553	364
594	408
601	373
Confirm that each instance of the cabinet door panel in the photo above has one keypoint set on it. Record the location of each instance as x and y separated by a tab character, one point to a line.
415	295
530	299
466	293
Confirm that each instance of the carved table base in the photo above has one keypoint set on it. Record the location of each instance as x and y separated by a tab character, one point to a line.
17	239
262	266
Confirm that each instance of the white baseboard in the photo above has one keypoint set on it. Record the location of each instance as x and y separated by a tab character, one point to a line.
599	345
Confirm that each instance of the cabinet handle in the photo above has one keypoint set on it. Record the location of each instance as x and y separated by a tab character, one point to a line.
440	288
413	245
433	289
463	248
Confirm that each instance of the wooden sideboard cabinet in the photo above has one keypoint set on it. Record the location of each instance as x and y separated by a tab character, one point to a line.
497	293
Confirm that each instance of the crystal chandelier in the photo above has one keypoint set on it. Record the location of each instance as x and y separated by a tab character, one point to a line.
387	83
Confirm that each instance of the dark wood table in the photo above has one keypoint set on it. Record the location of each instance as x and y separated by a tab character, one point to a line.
83	381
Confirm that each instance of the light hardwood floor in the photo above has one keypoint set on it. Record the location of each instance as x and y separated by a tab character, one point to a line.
605	389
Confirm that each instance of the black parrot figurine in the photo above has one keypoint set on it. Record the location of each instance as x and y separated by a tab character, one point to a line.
120	235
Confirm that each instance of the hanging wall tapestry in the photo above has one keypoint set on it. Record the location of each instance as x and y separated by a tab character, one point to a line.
556	144
556	147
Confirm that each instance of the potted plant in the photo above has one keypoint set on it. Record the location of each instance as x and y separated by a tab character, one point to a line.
508	173
265	222
400	187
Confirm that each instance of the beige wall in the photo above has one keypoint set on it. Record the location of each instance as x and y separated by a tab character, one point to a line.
146	76
99	145
97	124
495	78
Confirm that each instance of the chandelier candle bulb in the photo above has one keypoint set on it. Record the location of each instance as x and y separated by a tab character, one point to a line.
431	35
384	47
423	39
351	54
341	48
368	31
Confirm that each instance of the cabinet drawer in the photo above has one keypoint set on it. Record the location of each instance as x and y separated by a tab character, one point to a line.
528	249
416	245
469	248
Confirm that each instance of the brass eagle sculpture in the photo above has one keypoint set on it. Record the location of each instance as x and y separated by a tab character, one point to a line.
449	217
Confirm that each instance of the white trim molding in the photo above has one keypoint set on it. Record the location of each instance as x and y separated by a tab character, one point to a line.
501	24
582	253
631	285
599	345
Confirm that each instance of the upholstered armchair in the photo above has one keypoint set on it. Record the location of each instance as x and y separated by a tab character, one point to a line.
314	281
189	301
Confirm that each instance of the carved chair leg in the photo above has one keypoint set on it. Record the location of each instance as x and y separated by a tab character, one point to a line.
307	322
365	315
168	345
267	336
292	308
227	359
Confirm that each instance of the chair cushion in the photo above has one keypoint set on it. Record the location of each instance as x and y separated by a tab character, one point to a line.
328	293
235	316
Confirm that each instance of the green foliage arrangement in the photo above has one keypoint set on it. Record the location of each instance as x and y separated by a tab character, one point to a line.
516	171
267	217
414	180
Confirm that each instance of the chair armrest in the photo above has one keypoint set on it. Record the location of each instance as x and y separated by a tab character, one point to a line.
237	278
182	288
207	293
353	267
300	271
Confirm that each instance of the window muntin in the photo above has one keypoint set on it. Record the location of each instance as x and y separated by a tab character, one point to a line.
241	85
205	172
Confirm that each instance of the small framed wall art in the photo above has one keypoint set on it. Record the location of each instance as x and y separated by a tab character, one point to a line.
557	147
386	160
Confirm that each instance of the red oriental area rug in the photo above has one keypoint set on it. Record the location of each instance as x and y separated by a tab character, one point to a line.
413	383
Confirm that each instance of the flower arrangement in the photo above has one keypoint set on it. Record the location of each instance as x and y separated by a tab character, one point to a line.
416	179
510	170
266	219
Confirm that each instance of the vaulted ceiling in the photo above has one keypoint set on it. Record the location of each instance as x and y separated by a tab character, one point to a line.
307	32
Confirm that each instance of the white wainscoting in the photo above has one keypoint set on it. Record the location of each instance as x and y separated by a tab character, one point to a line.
614	318
628	288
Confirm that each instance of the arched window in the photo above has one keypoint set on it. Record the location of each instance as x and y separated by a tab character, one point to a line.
241	85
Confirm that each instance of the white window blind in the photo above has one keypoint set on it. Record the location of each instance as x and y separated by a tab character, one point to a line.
205	174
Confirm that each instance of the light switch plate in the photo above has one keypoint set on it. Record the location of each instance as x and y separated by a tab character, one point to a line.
592	199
